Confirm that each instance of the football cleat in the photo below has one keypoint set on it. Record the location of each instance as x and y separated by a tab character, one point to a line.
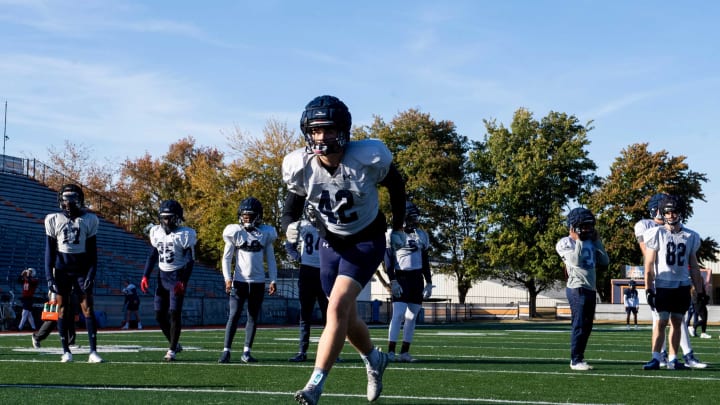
580	366
310	395
247	358
224	357
66	357
35	342
179	348
94	358
406	358
375	375
170	356
705	336
691	331
692	362
664	359
653	364
298	358
391	356
677	365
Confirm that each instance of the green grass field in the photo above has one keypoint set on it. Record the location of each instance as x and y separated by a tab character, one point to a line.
487	363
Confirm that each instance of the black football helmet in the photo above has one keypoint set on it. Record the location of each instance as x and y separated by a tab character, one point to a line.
654	204
71	200
326	111
253	209
412	214
668	204
170	215
581	221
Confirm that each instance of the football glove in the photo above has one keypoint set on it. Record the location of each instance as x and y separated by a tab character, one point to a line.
427	291
292	233
650	296
397	239
144	285
179	288
52	287
396	289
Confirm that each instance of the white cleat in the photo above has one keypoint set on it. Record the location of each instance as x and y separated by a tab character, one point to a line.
94	358
66	358
581	366
170	356
375	374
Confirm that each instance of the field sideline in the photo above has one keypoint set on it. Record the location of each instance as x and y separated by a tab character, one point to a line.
482	363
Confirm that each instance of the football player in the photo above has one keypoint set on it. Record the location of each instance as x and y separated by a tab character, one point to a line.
670	267
581	251
408	269
632	302
131	305
250	242
339	179
173	251
303	248
29	285
71	263
656	219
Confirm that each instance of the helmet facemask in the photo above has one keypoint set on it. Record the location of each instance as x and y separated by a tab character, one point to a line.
310	214
671	210
582	222
669	218
169	222
171	215
249	219
330	113
71	204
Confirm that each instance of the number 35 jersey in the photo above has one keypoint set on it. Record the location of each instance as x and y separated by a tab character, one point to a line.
346	200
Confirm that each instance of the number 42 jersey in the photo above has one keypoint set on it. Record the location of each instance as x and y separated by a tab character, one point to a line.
346	200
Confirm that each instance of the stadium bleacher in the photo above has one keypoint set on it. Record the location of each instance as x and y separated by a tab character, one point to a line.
24	203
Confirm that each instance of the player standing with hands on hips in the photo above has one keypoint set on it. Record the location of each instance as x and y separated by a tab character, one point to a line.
339	179
173	250
581	251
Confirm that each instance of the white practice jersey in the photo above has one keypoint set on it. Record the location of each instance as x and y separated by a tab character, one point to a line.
250	248
176	249
346	201
643	225
309	243
409	257
71	234
673	254
581	258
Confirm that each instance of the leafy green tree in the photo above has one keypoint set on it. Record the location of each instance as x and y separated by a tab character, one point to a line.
528	175
431	157
621	200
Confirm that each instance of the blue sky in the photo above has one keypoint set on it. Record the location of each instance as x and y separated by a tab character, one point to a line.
124	78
